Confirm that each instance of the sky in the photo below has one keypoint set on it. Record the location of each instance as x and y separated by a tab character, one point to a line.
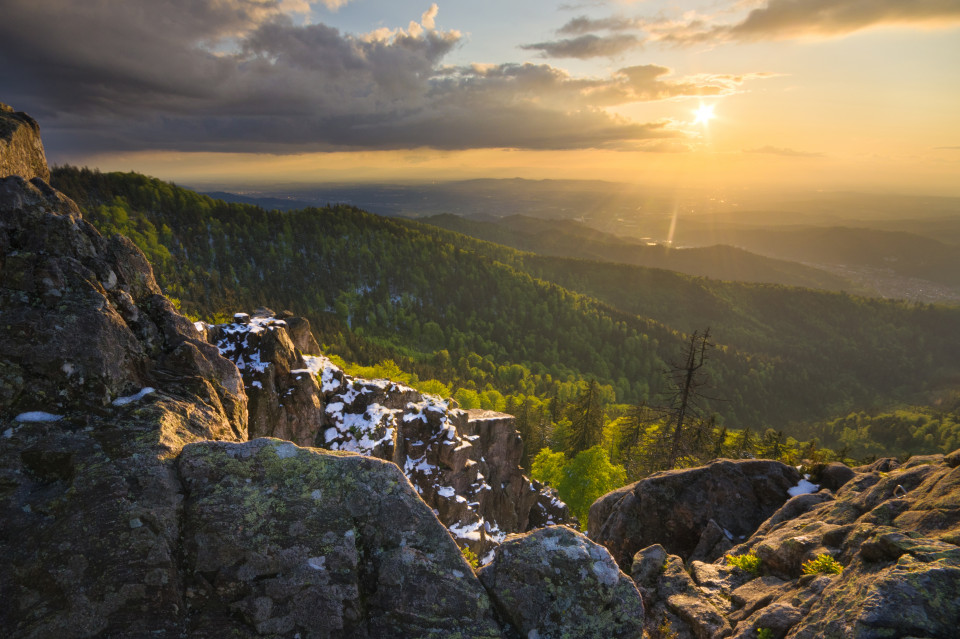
809	94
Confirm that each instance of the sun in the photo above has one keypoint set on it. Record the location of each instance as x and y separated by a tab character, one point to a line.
704	114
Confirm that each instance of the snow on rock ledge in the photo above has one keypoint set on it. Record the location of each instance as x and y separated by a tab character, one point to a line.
463	463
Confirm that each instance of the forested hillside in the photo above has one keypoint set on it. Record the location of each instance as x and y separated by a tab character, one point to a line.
569	238
488	318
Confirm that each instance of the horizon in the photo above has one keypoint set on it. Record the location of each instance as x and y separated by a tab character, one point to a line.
736	94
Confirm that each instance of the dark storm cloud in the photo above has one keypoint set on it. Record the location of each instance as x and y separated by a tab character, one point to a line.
586	46
241	75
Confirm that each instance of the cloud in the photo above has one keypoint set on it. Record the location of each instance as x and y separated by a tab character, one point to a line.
785	19
773	150
243	76
586	46
583	24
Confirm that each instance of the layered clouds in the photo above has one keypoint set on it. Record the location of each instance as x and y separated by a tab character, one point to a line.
746	21
258	76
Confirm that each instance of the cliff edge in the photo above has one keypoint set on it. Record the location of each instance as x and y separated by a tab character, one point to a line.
21	149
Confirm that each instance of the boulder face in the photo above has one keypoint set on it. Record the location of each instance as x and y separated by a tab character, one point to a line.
464	463
21	149
699	510
294	540
894	535
554	583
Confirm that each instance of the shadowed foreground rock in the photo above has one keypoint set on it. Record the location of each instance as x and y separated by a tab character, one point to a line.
102	382
295	540
555	583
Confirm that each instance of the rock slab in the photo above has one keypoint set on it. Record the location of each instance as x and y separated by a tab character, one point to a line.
555	583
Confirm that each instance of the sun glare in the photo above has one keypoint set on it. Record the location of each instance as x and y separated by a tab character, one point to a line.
704	114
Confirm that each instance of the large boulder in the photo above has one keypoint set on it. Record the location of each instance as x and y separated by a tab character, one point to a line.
677	508
293	540
21	149
554	582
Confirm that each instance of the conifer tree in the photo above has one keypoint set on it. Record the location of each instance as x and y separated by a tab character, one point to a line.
586	420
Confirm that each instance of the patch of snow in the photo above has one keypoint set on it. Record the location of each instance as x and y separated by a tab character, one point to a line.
7	434
317	563
129	399
446	491
316	364
802	488
36	416
466	531
199	326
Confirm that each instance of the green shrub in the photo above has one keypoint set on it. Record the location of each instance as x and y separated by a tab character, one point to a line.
471	558
764	633
824	564
748	563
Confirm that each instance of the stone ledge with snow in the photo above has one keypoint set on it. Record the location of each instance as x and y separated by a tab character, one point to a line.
463	463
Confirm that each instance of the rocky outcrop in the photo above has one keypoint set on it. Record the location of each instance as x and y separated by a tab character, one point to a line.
699	510
21	149
894	535
85	324
284	399
133	506
464	463
101	385
554	583
306	542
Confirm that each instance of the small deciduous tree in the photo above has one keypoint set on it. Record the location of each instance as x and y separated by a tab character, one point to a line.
579	481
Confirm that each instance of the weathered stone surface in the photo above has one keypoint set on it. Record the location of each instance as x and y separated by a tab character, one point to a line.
292	540
101	385
283	394
834	475
893	531
554	583
84	322
674	602
91	526
778	619
300	333
21	149
673	508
